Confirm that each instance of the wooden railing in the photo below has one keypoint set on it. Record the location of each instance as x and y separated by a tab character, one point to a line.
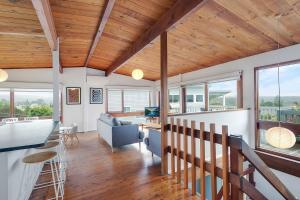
234	153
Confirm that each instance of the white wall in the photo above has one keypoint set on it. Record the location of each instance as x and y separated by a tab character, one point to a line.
247	65
85	114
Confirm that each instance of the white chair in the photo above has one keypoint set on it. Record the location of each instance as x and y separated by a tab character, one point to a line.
71	133
31	118
10	120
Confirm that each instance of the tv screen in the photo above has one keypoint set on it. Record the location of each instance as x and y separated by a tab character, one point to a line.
152	112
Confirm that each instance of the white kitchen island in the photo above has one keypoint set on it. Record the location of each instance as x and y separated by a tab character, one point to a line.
18	140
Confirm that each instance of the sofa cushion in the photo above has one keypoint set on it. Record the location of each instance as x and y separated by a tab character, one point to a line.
125	122
116	122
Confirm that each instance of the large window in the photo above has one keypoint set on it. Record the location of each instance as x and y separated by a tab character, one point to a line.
26	103
174	100
274	106
128	100
136	100
194	98
222	95
4	103
33	103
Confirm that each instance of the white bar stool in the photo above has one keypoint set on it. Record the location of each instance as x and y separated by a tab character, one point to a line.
40	158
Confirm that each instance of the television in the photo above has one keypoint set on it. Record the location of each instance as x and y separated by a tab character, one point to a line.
152	112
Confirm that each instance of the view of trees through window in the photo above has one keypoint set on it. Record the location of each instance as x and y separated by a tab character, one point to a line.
269	100
4	103
222	95
27	103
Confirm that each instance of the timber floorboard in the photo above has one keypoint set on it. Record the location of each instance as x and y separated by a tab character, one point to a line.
95	173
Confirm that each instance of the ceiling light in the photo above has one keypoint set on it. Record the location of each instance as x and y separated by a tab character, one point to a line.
280	137
137	74
3	75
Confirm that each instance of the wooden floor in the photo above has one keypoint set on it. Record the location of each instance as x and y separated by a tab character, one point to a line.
94	172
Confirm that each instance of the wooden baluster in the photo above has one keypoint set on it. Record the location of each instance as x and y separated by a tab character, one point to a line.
178	153
193	157
236	167
185	150
225	162
172	149
202	160
213	162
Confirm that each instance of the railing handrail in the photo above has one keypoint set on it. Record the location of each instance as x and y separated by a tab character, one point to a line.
238	144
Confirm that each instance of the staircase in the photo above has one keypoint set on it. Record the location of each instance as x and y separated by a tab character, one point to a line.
237	181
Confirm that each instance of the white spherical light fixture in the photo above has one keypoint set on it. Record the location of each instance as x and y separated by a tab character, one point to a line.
3	75
280	137
137	74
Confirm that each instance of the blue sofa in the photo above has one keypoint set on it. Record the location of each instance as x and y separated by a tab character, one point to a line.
117	133
153	142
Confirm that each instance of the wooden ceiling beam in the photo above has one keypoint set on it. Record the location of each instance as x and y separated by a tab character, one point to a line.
175	14
43	11
109	4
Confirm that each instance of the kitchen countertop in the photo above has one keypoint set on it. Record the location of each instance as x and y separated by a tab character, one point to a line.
25	134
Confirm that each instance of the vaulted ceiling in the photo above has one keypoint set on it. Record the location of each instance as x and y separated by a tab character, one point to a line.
220	31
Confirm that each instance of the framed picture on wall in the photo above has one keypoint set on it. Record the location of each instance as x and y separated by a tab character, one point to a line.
96	96
73	95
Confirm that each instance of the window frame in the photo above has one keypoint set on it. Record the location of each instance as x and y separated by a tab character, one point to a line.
274	159
122	112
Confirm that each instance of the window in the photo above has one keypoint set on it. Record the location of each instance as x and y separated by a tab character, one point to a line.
199	98
194	93
174	100
33	103
4	103
127	100
136	100
114	100
222	95
269	100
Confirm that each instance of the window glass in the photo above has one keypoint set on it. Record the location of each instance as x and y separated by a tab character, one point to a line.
114	100
199	98
222	95
174	100
4	103
192	105
33	103
136	100
269	100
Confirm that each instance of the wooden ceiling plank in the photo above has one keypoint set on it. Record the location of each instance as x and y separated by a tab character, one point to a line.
176	13
104	18
43	11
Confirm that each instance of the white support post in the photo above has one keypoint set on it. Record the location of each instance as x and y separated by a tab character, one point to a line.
56	73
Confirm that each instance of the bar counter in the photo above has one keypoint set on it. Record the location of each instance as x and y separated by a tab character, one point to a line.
18	140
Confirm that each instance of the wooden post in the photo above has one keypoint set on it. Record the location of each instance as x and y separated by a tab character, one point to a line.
240	92
236	167
193	157
185	151
183	99
202	160
213	162
225	162
172	149
178	146
164	100
12	103
206	96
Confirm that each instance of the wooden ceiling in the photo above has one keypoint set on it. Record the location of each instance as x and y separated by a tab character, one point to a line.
218	32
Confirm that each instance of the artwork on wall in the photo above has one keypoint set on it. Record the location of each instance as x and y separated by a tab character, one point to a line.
96	96
73	95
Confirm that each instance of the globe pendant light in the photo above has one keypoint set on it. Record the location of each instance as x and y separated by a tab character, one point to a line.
3	75
280	137
137	74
